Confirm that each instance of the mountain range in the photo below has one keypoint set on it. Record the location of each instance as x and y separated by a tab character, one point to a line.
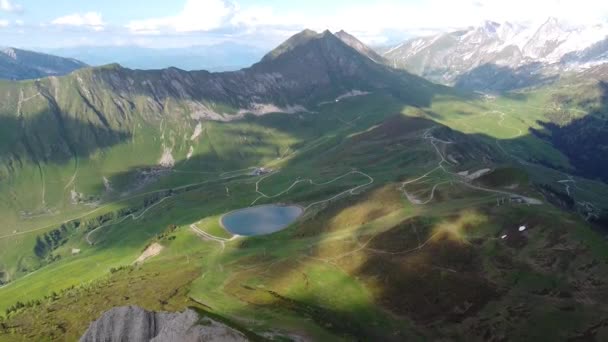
218	57
17	64
490	57
503	56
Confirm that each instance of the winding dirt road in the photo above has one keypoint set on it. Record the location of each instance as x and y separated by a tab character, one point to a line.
440	165
207	236
132	216
109	204
311	182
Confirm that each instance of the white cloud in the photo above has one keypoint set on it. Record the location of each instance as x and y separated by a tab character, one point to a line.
254	16
9	6
19	22
197	15
377	22
574	11
372	22
4	23
91	20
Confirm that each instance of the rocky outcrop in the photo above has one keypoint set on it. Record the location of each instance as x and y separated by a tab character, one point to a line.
134	324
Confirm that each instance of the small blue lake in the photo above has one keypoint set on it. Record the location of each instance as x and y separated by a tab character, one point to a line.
261	219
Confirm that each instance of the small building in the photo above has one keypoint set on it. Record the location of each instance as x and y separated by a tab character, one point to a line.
259	171
517	199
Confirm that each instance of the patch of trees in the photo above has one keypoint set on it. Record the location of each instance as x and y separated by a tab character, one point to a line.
50	241
122	268
97	221
154	198
21	305
166	235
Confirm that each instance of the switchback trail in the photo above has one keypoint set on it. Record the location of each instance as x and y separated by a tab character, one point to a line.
311	182
207	236
440	165
132	216
109	204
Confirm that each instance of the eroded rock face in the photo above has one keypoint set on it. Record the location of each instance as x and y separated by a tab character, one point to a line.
134	324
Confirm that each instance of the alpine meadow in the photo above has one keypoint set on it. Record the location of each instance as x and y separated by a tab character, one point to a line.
450	187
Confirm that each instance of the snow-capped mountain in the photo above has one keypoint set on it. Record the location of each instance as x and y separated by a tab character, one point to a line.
496	56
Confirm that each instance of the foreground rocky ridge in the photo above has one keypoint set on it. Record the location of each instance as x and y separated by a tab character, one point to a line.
132	323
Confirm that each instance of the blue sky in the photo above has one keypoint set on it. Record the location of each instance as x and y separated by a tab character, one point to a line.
178	23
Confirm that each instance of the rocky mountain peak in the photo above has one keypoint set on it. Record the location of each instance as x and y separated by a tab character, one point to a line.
294	41
553	25
10	52
549	36
307	36
317	50
552	21
490	26
356	44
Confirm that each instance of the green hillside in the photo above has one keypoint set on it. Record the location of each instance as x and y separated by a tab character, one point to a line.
414	199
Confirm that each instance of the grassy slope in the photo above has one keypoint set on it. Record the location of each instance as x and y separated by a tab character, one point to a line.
328	268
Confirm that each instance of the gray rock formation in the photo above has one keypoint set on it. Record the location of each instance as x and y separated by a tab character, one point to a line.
134	324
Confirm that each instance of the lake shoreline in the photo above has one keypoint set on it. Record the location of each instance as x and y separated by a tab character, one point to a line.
301	208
